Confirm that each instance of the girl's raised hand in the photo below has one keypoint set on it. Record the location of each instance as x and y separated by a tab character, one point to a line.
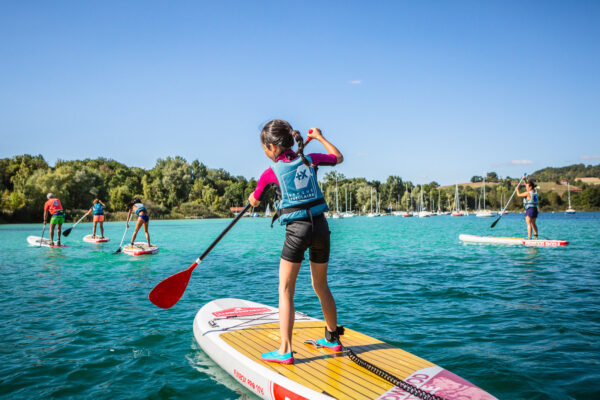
314	133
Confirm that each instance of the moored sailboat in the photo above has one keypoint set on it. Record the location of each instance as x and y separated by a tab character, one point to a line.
484	213
457	212
570	210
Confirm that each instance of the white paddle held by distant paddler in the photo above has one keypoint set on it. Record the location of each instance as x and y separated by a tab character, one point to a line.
509	200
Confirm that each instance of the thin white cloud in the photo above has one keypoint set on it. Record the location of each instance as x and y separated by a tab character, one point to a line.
521	162
355	82
590	157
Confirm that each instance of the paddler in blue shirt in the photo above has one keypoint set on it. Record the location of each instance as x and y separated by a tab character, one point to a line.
530	202
98	210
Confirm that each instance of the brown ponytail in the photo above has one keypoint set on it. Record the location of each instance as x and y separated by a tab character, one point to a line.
298	137
280	133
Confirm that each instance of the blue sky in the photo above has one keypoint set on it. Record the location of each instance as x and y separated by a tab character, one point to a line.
434	90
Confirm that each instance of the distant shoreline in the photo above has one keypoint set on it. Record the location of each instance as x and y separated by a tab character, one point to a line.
72	221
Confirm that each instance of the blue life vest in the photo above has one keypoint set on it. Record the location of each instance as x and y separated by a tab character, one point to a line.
301	197
98	209
531	203
139	207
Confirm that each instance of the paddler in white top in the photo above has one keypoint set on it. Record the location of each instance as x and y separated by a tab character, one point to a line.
530	202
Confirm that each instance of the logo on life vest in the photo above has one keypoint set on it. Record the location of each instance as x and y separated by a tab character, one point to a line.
301	179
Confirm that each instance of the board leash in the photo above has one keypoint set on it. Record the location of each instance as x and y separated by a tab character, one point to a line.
394	380
347	351
407	387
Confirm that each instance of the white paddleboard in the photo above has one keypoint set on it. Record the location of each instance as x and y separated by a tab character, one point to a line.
35	241
95	239
139	249
513	241
234	333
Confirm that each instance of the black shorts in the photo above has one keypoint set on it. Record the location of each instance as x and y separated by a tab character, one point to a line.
299	236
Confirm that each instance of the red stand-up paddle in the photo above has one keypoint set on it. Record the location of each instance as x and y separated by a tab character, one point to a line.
168	292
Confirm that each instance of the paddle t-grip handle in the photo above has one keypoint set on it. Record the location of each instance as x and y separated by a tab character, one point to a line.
309	139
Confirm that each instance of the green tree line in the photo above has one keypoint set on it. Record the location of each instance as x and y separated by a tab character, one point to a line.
174	188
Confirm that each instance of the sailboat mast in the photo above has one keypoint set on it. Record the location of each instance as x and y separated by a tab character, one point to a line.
346	197
431	204
483	193
337	208
456	199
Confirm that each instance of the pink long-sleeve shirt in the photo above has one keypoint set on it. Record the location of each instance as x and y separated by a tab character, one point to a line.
268	177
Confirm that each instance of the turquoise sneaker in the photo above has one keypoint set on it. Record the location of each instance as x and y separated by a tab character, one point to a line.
335	346
276	357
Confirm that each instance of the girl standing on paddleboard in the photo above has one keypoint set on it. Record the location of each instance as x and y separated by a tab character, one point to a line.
136	206
301	207
98	210
530	202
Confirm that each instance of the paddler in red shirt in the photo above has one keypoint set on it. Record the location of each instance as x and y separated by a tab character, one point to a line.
57	216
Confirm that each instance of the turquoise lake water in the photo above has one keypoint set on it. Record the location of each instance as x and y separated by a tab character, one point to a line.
521	323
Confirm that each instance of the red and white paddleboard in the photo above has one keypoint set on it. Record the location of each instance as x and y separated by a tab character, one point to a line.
35	241
95	239
234	333
139	249
513	241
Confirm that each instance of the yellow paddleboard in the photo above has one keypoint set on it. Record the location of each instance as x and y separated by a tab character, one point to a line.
234	333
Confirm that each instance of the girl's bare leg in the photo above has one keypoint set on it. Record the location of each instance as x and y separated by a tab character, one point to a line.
288	272
101	229
94	229
138	225
534	225
528	221
146	232
318	274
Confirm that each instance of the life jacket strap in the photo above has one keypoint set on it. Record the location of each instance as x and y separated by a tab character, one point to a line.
306	206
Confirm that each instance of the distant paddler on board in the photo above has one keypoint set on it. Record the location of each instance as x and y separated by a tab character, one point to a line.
57	217
97	211
137	207
530	202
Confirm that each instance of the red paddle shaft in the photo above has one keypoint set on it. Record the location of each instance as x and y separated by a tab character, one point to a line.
168	292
